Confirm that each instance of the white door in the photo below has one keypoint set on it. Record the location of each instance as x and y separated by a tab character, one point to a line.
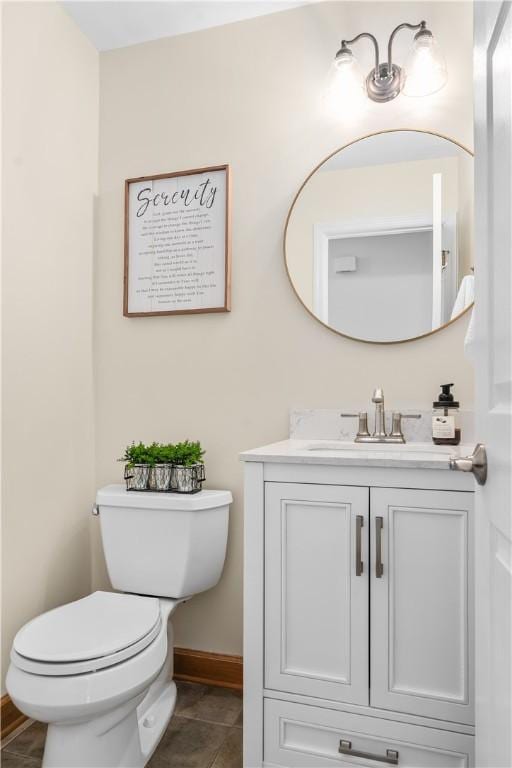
492	354
450	268
316	590
422	602
445	262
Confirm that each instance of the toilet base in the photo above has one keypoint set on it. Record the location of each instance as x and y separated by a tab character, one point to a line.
124	738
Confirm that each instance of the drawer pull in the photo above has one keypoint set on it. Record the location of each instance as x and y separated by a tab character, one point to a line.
379	568
359	562
391	756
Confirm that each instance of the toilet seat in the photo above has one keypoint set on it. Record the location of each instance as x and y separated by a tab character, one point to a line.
87	635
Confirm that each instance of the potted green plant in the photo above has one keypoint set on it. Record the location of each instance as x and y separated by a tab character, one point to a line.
138	460
188	467
160	471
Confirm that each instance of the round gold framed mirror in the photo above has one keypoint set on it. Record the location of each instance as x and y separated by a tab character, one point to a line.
378	242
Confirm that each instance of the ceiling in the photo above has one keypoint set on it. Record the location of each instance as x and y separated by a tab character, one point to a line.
116	23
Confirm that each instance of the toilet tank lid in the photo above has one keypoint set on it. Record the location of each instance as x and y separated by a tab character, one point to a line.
118	496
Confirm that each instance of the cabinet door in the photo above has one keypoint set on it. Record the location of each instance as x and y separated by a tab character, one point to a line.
316	591
422	618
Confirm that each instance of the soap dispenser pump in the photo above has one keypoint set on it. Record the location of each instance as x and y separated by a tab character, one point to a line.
445	430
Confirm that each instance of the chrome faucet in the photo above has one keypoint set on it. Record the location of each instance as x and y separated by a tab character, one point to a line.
380	414
379	434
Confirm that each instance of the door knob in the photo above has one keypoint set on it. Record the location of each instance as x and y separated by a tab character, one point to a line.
475	463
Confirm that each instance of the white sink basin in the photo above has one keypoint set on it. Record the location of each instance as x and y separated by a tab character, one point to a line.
406	448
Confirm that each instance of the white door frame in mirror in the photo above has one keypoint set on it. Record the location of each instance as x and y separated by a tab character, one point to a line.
444	271
324	232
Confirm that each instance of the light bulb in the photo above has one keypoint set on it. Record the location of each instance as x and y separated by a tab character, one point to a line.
425	69
345	85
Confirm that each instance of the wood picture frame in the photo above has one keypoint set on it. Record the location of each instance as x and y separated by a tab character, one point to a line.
177	243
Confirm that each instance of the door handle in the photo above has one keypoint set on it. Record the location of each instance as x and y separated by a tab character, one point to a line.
379	568
391	756
359	562
476	463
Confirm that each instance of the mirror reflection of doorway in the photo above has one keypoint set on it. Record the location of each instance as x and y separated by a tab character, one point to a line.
407	267
392	272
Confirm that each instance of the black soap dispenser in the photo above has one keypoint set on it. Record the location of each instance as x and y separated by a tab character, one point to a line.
445	429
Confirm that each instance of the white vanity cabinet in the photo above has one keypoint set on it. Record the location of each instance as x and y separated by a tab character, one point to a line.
421	607
358	614
316	592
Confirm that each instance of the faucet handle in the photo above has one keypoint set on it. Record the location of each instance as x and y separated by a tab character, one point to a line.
378	395
362	430
396	424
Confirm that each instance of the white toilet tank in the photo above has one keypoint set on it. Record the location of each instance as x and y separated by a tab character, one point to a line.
163	544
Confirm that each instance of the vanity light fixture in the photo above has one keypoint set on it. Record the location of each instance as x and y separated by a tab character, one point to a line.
424	72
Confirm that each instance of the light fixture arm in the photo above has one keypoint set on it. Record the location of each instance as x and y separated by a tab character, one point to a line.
387	80
421	26
345	43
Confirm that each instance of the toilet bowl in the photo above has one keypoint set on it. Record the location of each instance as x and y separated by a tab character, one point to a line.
99	670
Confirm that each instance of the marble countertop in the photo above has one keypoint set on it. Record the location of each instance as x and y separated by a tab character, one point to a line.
415	455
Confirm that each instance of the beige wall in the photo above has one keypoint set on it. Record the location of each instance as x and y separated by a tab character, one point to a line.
248	94
50	121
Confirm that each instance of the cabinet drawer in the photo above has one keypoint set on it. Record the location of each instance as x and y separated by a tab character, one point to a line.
302	736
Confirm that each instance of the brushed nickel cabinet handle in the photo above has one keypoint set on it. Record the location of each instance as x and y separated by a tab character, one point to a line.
391	756
359	562
379	568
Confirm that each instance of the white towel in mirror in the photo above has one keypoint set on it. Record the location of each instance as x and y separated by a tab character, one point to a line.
465	296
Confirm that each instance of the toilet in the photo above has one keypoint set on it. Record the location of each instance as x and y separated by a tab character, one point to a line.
99	670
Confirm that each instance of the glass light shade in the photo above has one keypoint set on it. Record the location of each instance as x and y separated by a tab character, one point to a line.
425	69
346	79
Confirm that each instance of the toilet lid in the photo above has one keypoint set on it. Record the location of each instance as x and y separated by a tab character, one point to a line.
100	625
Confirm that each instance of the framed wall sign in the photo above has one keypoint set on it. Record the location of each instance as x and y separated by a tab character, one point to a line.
177	256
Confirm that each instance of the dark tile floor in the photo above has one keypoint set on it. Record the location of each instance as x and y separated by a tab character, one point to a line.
205	732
